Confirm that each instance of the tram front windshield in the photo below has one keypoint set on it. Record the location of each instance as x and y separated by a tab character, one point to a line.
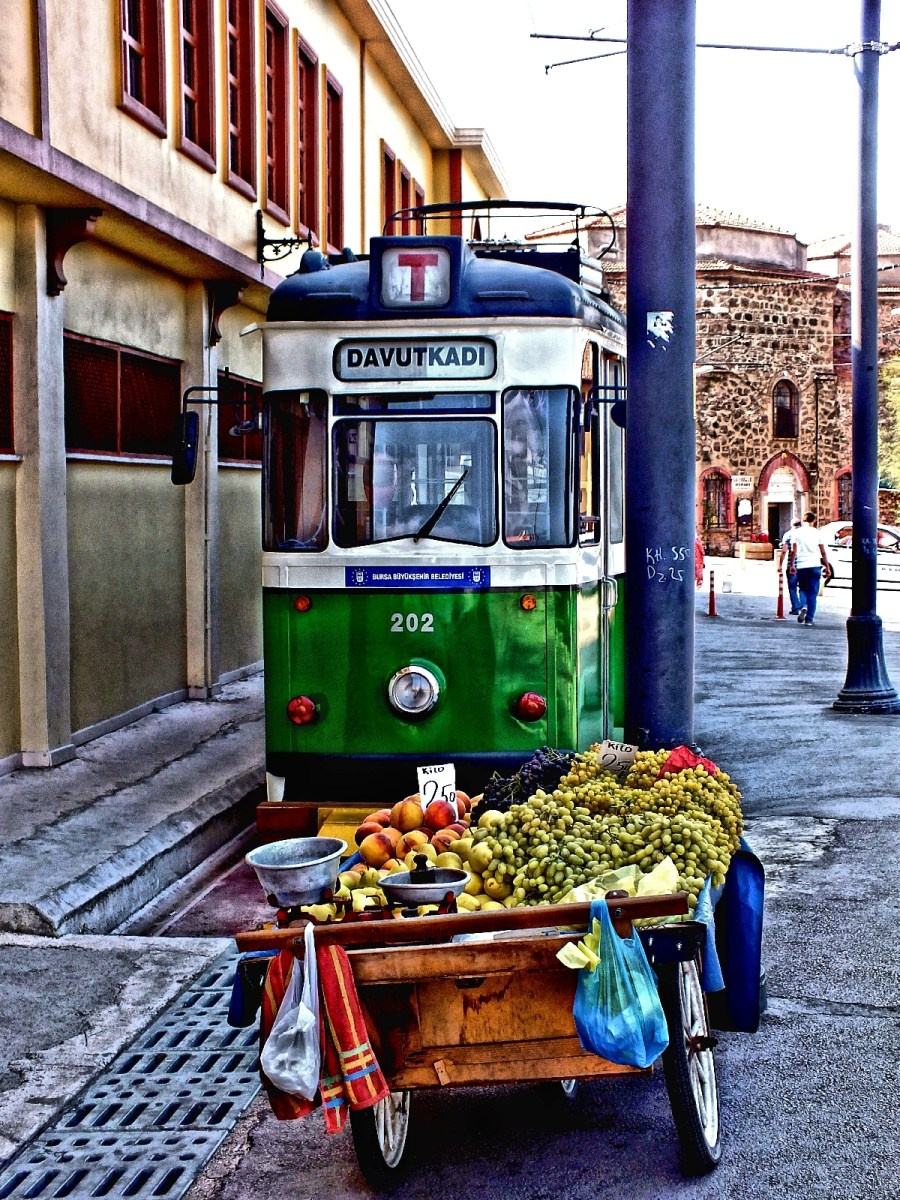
398	477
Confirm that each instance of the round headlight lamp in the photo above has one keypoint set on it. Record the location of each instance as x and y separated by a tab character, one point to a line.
413	691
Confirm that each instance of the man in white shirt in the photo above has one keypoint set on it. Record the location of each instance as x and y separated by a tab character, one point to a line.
783	564
808	557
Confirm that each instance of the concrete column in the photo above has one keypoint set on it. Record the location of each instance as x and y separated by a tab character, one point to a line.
201	513
42	564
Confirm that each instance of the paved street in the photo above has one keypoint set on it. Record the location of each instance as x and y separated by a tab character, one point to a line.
807	1103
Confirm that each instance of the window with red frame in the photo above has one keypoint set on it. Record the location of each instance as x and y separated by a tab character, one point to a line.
307	138
716	500
406	199
419	193
118	400
845	496
334	163
143	62
198	138
785	405
277	194
388	186
241	144
244	399
6	424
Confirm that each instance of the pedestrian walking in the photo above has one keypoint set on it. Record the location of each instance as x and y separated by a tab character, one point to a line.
808	558
784	564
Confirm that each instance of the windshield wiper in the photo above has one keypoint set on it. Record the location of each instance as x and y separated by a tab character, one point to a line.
441	508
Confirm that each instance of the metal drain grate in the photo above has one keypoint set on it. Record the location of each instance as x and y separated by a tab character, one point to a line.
149	1124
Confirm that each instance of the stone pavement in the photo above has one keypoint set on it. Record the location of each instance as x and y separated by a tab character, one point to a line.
86	843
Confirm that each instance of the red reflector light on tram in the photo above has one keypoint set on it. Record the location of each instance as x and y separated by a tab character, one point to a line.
301	710
303	604
529	602
530	707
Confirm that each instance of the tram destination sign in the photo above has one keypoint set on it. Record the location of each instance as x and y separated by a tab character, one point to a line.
368	360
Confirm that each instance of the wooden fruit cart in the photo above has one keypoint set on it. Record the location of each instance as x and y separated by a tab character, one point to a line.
498	1009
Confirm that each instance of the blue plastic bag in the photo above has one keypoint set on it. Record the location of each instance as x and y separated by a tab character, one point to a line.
617	1012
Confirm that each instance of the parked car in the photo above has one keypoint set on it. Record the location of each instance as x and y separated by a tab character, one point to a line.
837	537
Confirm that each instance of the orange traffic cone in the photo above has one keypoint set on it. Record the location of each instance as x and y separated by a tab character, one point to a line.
779	611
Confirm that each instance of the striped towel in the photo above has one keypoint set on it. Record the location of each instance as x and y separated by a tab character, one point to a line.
351	1076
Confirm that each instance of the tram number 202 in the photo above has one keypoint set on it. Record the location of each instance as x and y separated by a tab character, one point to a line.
412	623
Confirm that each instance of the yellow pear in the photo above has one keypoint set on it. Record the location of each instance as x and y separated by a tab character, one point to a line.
449	860
428	850
462	846
491	906
497	890
480	857
474	887
468	903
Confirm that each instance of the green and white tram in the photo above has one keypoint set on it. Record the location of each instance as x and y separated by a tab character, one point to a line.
442	513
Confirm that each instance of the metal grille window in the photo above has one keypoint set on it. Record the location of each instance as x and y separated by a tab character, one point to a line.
784	410
142	62
716	500
845	496
277	193
6	424
334	164
119	401
245	399
239	33
307	138
197	102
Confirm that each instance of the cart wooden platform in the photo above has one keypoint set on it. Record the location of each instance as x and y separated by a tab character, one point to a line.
496	1008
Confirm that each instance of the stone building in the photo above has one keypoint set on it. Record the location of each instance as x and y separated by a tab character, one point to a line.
139	143
773	396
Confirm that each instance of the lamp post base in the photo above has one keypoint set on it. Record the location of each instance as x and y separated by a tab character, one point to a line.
867	688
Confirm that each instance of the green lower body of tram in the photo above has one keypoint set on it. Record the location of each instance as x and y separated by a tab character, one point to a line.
486	648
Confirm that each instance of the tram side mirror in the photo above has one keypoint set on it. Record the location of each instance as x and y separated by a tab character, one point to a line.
184	452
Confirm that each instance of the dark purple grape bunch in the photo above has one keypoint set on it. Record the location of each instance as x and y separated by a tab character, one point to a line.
543	770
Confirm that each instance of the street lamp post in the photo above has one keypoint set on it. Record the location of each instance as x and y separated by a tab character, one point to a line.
867	688
661	305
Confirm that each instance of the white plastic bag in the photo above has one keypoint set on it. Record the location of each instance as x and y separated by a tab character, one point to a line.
292	1055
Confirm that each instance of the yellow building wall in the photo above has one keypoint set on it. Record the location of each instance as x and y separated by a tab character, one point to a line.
118	299
242	355
240	590
388	121
7	257
126	588
19	92
10	741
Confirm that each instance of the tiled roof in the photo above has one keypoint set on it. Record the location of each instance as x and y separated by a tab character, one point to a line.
706	216
833	247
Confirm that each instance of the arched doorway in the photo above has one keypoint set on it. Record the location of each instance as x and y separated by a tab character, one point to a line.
783	487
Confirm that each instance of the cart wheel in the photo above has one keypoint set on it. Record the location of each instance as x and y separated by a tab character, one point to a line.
556	1093
689	1067
379	1138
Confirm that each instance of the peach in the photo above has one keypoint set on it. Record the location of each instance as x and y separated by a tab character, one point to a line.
377	849
463	803
407	815
459	826
439	814
368	826
383	816
444	840
412	841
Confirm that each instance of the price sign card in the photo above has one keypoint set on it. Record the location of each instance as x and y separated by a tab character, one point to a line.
616	757
438	783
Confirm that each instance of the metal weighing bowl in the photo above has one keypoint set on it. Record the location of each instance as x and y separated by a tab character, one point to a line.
399	890
297	871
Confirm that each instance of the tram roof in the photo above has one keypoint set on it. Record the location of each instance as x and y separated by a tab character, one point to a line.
487	281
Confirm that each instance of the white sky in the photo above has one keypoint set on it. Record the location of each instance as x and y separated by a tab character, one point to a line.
776	134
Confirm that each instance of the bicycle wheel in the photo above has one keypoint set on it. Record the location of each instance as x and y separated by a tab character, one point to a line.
689	1067
379	1139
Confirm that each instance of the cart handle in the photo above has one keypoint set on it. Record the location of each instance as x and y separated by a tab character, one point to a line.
442	928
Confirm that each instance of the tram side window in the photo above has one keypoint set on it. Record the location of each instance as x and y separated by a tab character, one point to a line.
615	463
538	468
295	471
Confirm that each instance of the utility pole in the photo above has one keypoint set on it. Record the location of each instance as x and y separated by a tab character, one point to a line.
867	688
661	435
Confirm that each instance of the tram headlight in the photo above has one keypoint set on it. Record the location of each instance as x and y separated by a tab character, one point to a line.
413	691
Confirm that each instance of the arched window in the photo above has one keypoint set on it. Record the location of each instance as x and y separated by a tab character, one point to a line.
845	496
784	410
716	500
